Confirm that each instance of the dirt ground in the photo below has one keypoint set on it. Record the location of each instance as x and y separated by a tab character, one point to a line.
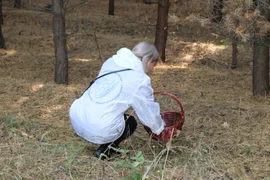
226	130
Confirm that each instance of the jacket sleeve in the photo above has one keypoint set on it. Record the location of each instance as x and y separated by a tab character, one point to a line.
146	109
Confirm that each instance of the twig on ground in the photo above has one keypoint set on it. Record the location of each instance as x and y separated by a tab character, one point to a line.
168	146
100	57
75	5
158	157
149	167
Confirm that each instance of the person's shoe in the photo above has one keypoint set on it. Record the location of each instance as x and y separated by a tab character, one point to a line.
102	152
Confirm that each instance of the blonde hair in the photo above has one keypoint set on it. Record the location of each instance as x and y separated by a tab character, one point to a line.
147	53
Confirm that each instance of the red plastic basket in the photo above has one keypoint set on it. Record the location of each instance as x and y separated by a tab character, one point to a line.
173	120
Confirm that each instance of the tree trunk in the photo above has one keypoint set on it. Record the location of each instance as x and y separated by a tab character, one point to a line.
260	69
61	66
217	14
2	40
17	3
162	28
260	76
111	7
255	3
150	1
234	53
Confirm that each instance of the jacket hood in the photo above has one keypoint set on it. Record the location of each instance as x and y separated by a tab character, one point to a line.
125	58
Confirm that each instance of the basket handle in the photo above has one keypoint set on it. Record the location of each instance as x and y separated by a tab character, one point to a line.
173	96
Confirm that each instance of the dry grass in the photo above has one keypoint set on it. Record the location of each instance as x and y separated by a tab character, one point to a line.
241	20
226	132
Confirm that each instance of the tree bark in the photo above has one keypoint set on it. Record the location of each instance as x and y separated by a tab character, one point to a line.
234	53
217	13
17	4
162	28
260	69
61	66
111	7
2	40
260	75
150	1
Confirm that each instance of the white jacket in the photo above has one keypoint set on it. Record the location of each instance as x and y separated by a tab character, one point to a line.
98	115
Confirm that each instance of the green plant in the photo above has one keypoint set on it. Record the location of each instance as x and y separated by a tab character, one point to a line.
11	122
71	152
138	159
135	165
222	42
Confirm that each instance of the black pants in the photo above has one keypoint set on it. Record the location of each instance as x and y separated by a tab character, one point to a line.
130	128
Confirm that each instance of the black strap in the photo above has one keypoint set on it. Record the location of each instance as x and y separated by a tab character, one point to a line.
105	75
109	73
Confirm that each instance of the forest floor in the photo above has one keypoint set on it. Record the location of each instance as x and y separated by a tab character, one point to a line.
226	130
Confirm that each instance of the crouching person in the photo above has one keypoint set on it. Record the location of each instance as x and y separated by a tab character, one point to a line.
99	115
